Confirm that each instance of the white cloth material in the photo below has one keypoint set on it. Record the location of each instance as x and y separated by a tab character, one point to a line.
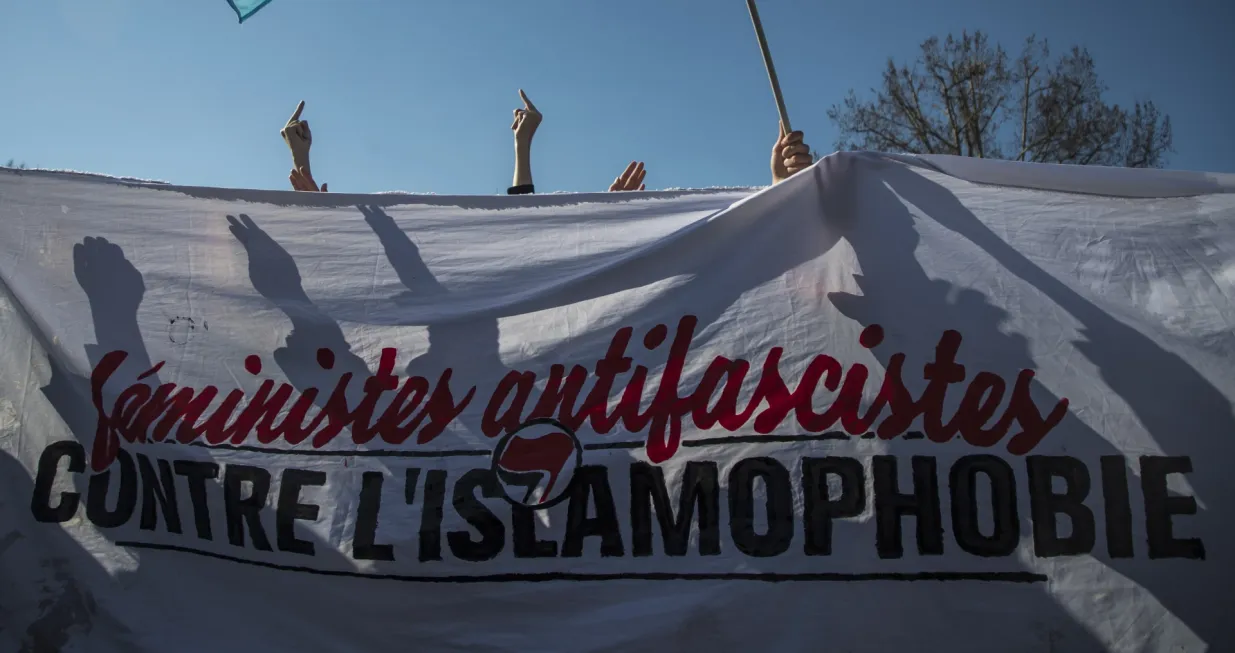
1066	490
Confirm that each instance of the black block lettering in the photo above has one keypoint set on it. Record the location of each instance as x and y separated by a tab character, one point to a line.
364	542
891	506
1117	506
491	529
240	510
820	509
1044	504
591	483
962	482
45	479
126	498
1160	506
523	531
289	510
779	498
700	486
158	492
430	512
196	474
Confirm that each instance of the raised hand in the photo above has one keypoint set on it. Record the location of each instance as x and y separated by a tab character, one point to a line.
299	140
630	179
789	156
524	126
298	137
526	121
302	179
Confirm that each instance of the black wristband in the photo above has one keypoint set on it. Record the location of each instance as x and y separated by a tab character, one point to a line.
522	189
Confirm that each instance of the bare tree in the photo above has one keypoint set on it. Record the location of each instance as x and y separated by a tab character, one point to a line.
964	96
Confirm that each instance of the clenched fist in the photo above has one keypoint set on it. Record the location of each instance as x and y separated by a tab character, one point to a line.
789	156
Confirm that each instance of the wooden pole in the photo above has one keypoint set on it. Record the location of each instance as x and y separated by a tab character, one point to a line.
767	63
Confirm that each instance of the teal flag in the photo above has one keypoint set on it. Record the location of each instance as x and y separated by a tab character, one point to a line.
246	8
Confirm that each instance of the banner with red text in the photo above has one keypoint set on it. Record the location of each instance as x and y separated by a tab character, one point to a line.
894	403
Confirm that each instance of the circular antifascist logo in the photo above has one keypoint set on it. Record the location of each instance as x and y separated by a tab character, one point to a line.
536	463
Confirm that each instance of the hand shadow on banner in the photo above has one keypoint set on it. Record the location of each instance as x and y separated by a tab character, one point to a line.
469	345
716	270
915	310
275	276
115	288
732	272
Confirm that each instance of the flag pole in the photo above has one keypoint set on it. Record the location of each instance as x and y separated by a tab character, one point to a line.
767	63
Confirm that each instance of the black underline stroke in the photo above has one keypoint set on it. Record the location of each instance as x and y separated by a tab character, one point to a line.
633	444
595	446
359	453
1022	577
759	439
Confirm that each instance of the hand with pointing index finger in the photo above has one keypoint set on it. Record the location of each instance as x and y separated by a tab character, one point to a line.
299	139
526	121
630	179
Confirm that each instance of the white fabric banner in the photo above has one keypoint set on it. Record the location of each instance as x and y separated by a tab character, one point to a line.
893	404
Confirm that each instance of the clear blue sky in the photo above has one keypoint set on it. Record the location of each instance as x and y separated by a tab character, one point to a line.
417	95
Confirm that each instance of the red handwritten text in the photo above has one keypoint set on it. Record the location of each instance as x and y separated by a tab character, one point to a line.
145	413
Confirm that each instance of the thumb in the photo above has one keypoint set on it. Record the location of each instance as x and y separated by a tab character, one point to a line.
781	135
323	188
